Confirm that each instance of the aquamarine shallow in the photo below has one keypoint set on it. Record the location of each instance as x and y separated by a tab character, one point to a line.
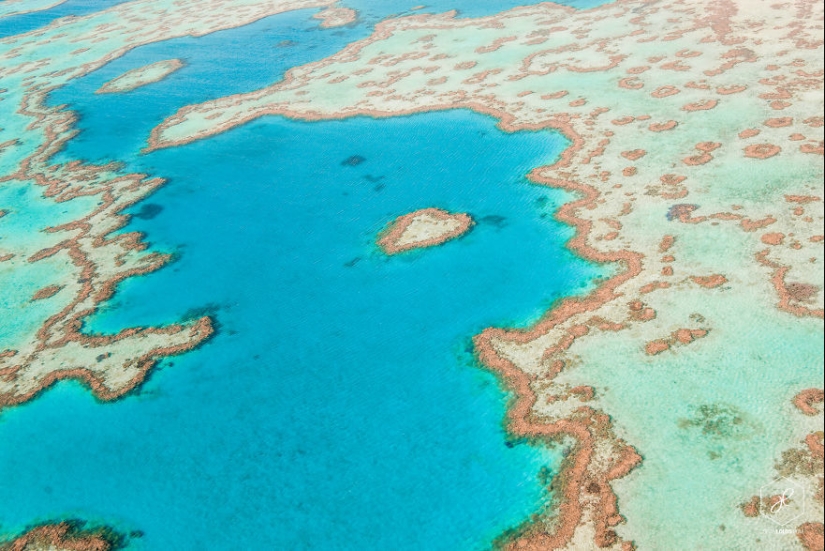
338	406
338	402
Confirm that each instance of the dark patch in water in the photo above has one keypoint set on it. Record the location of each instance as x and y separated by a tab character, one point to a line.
373	179
355	160
721	421
494	220
545	476
210	310
175	256
286	44
379	187
352	262
148	211
680	210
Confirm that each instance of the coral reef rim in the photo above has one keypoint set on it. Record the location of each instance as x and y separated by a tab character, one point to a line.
696	137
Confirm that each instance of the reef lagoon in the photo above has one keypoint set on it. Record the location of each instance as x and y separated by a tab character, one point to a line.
339	404
306	274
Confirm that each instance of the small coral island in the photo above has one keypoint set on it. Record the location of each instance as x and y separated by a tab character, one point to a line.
423	228
141	76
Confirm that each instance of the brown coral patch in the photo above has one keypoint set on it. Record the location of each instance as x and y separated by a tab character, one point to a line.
656	347
773	238
696	160
806	399
812	536
701	105
46	292
779	122
735	89
555	95
752	225
645	314
665	91
816	445
802	199
707	147
672	179
710	281
762	151
638	70
817	149
684	336
682	212
663	126
650	287
786	301
621	121
631	83
634	154
636	305
65	536
751	508
8	374
802	292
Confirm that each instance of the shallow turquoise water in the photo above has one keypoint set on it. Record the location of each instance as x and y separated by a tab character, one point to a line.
369	11
338	406
25	22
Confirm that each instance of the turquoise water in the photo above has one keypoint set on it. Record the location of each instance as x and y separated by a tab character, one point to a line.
25	22
369	11
338	406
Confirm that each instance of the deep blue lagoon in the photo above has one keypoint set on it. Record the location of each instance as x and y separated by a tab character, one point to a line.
339	405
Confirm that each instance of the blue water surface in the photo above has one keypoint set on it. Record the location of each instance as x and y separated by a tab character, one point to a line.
338	406
25	22
370	11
